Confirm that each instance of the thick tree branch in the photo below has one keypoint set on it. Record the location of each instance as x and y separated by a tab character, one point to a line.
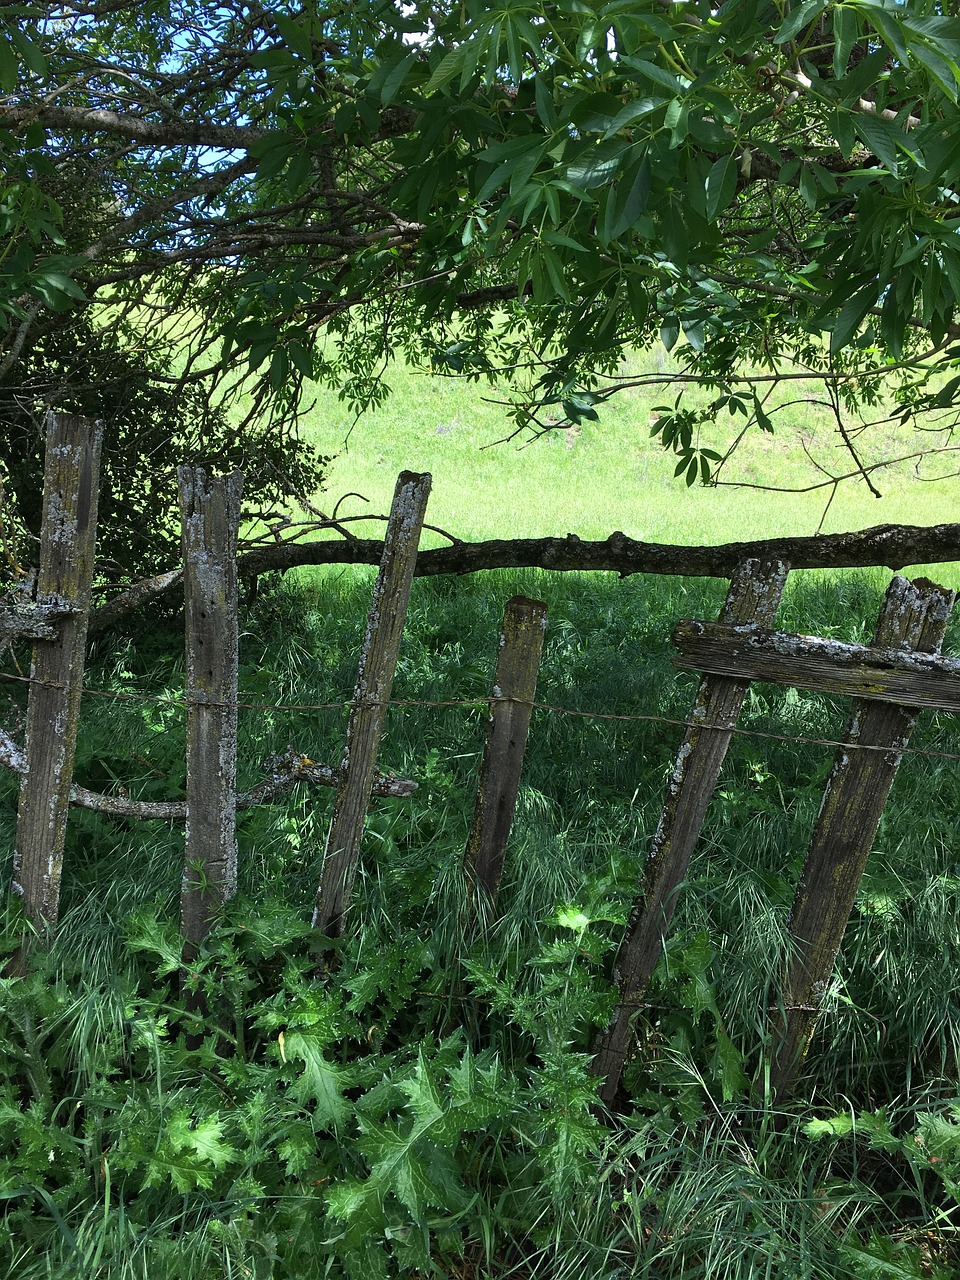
890	545
229	137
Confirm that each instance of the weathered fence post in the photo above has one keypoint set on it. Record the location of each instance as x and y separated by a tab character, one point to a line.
378	663
210	511
754	596
514	689
67	548
914	617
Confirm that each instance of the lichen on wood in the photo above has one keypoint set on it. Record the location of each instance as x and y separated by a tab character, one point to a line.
210	513
913	620
376	668
63	588
753	598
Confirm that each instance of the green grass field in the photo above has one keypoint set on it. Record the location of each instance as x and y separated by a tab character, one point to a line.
611	474
416	1101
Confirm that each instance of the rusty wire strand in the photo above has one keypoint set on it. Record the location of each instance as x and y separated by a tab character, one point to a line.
476	704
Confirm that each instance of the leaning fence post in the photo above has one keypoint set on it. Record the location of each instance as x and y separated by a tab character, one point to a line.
210	512
754	596
378	663
67	548
514	689
914	617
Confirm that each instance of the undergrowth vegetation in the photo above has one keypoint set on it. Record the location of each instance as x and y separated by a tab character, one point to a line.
415	1100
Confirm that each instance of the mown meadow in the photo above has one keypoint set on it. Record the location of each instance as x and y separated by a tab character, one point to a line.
415	1099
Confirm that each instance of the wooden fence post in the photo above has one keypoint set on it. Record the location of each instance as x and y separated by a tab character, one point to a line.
378	663
754	596
515	686
67	549
914	617
210	511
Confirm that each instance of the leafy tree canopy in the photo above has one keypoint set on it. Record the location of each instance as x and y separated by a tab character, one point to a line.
506	188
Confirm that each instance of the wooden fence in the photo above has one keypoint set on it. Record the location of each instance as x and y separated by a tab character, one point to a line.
890	681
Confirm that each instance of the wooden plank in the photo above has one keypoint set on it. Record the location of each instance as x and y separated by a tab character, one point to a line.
827	666
378	663
67	549
518	665
754	596
210	513
914	616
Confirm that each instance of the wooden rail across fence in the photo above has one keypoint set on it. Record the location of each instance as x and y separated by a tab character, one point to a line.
890	681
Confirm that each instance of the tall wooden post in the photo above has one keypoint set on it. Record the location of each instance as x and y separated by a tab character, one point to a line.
754	596
210	511
914	617
67	548
378	663
514	689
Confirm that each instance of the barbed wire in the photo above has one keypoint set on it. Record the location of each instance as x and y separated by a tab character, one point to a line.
478	704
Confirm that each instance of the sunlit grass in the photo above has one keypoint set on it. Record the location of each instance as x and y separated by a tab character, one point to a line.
611	474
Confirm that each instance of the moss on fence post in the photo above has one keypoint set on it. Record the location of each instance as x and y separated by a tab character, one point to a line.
67	549
378	663
754	596
914	617
210	511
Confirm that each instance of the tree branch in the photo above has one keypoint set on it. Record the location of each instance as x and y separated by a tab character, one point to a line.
285	772
889	545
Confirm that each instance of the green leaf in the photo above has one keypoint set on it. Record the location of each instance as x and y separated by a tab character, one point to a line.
597	165
721	185
56	289
8	67
30	51
651	71
881	138
632	112
629	198
296	35
669	333
319	1081
838	1126
846	29
390	75
851	317
797	19
450	66
546	108
728	1067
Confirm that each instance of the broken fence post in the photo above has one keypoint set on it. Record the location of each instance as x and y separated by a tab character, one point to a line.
368	713
914	617
754	596
514	689
210	512
67	548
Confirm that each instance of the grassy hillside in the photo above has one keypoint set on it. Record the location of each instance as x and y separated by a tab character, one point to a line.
611	474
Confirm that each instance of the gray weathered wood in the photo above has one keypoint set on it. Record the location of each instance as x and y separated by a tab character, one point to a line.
378	663
67	551
32	621
285	772
828	666
210	514
754	596
914	617
514	689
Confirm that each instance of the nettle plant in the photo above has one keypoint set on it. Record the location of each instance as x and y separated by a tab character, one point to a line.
274	1109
